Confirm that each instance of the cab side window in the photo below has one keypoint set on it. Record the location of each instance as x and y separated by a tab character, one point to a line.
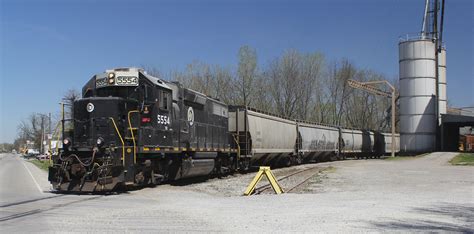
164	100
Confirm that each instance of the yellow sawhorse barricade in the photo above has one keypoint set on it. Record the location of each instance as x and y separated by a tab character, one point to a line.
271	178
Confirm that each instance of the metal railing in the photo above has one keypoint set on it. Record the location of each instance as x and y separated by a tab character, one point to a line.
121	139
132	134
419	36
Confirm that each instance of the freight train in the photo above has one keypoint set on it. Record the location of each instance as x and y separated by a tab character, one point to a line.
134	129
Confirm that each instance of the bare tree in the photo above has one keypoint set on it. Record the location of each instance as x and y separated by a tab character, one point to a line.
262	98
69	97
285	75
309	84
222	84
340	73
33	129
152	71
246	73
212	80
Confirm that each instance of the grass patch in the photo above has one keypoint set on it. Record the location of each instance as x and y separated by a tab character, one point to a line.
463	159
329	169
405	157
43	165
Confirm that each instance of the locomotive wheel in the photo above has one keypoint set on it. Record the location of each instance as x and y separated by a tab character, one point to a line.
244	165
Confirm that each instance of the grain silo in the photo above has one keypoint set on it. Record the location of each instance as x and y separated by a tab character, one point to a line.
418	117
422	74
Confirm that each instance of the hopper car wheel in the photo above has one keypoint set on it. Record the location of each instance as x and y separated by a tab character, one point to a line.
299	159
342	156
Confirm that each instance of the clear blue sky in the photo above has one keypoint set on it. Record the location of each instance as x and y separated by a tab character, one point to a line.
48	47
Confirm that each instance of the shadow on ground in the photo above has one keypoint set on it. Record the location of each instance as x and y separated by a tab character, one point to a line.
429	219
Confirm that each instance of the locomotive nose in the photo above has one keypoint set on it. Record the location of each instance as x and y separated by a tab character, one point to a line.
98	119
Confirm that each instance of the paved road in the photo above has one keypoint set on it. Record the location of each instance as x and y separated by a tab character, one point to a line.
423	194
20	180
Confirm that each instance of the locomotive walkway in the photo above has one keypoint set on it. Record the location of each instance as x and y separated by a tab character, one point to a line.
419	194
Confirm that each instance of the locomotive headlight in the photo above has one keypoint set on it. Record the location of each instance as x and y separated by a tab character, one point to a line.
100	141
111	77
66	143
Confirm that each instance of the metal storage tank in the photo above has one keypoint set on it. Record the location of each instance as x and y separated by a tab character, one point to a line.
418	120
442	84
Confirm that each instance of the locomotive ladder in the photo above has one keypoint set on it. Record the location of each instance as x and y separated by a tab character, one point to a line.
132	134
121	139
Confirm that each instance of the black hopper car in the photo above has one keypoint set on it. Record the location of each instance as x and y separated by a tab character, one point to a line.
133	129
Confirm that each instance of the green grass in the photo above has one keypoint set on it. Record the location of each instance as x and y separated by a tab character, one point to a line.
406	157
464	159
43	165
329	169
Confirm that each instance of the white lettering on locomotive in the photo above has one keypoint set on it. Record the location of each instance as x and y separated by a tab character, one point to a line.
127	81
163	119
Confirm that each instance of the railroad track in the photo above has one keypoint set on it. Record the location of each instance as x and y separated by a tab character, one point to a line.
25	208
290	186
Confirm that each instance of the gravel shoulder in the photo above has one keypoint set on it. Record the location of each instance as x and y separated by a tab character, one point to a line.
422	194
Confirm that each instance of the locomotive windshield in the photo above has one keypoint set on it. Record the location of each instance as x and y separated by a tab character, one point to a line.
118	91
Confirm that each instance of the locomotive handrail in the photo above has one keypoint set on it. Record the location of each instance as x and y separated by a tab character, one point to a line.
57	143
121	139
238	145
133	135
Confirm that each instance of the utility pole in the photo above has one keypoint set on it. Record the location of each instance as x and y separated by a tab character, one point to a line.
42	133
50	136
370	87
62	120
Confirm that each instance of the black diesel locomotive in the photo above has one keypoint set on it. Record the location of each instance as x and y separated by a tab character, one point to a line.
130	128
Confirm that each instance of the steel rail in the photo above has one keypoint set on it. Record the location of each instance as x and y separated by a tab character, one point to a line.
262	188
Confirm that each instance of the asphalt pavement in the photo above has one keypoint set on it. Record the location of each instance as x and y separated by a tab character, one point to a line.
20	180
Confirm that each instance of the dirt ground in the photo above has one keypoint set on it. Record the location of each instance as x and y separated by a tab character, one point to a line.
418	194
